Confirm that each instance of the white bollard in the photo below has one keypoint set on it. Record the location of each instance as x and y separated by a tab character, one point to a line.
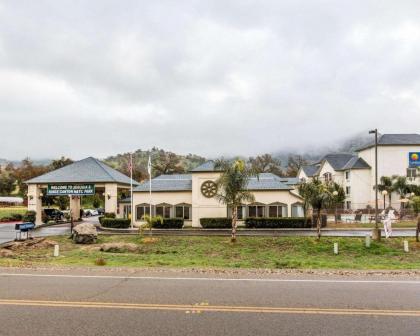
405	245
56	250
335	248
367	241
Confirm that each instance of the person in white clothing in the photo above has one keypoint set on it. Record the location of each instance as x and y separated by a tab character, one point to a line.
389	217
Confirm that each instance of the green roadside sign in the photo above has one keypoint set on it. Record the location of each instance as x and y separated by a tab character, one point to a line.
70	189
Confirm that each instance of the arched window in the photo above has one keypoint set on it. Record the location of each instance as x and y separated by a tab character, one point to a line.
277	209
164	210
183	210
143	209
256	210
297	210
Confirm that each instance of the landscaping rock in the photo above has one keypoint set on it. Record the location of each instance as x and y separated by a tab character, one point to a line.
4	253
119	247
84	234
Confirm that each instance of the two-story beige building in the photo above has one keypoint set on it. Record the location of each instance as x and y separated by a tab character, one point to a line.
192	197
356	172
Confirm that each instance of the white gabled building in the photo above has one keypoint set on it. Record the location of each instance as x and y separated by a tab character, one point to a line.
356	172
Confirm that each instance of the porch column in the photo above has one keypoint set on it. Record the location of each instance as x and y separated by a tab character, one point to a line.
35	202
75	207
111	197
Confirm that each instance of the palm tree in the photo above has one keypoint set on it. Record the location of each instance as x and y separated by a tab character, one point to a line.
232	187
386	185
400	186
337	197
319	196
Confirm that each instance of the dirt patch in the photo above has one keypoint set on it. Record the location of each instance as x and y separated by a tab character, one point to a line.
30	244
149	240
5	253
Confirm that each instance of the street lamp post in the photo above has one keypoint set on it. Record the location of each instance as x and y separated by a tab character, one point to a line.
376	232
384	193
335	194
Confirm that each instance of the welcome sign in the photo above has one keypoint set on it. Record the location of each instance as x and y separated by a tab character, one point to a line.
414	159
70	189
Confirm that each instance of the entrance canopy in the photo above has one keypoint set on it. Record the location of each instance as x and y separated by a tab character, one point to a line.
89	173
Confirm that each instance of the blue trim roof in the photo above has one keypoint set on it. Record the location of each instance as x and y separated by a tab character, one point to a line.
89	170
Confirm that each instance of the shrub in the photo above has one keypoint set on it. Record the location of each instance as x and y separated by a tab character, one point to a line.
16	217
277	223
168	223
106	215
29	216
216	223
109	214
116	223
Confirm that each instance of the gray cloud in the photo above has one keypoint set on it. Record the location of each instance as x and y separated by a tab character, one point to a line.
82	78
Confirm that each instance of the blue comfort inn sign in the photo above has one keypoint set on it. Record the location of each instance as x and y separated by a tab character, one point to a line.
414	159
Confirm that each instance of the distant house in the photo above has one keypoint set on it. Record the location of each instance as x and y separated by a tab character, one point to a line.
11	200
356	172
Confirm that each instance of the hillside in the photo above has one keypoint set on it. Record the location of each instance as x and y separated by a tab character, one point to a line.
163	162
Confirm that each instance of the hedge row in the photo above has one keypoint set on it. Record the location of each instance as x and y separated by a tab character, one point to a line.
168	223
278	223
12	218
216	223
106	215
115	223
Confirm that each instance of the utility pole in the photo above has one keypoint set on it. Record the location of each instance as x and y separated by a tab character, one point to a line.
376	233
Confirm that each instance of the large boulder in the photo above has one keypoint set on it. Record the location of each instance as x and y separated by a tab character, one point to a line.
85	234
119	247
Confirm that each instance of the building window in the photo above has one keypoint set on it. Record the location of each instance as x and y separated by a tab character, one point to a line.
297	210
348	205
347	190
277	210
348	175
141	210
256	210
327	177
412	172
183	211
163	210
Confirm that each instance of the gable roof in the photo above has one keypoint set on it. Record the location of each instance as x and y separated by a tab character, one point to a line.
356	163
337	160
208	166
89	170
310	170
269	181
393	140
178	182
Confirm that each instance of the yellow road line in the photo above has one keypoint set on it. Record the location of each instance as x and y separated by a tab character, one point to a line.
208	308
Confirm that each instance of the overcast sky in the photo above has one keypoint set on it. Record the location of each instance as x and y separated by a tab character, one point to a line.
80	78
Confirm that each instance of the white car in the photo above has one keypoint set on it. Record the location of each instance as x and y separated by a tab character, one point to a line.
90	212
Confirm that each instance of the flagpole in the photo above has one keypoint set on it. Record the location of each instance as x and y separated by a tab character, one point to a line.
131	190
149	169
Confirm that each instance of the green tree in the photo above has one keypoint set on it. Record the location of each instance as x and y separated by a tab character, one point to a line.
167	163
319	196
266	164
232	187
386	185
337	197
60	163
294	163
7	183
401	187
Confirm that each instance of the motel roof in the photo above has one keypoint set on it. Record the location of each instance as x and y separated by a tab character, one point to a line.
310	170
183	182
394	140
89	170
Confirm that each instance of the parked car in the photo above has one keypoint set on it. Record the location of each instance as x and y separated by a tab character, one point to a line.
101	211
53	214
90	212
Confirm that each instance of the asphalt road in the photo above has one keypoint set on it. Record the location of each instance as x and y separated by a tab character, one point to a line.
170	303
8	233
